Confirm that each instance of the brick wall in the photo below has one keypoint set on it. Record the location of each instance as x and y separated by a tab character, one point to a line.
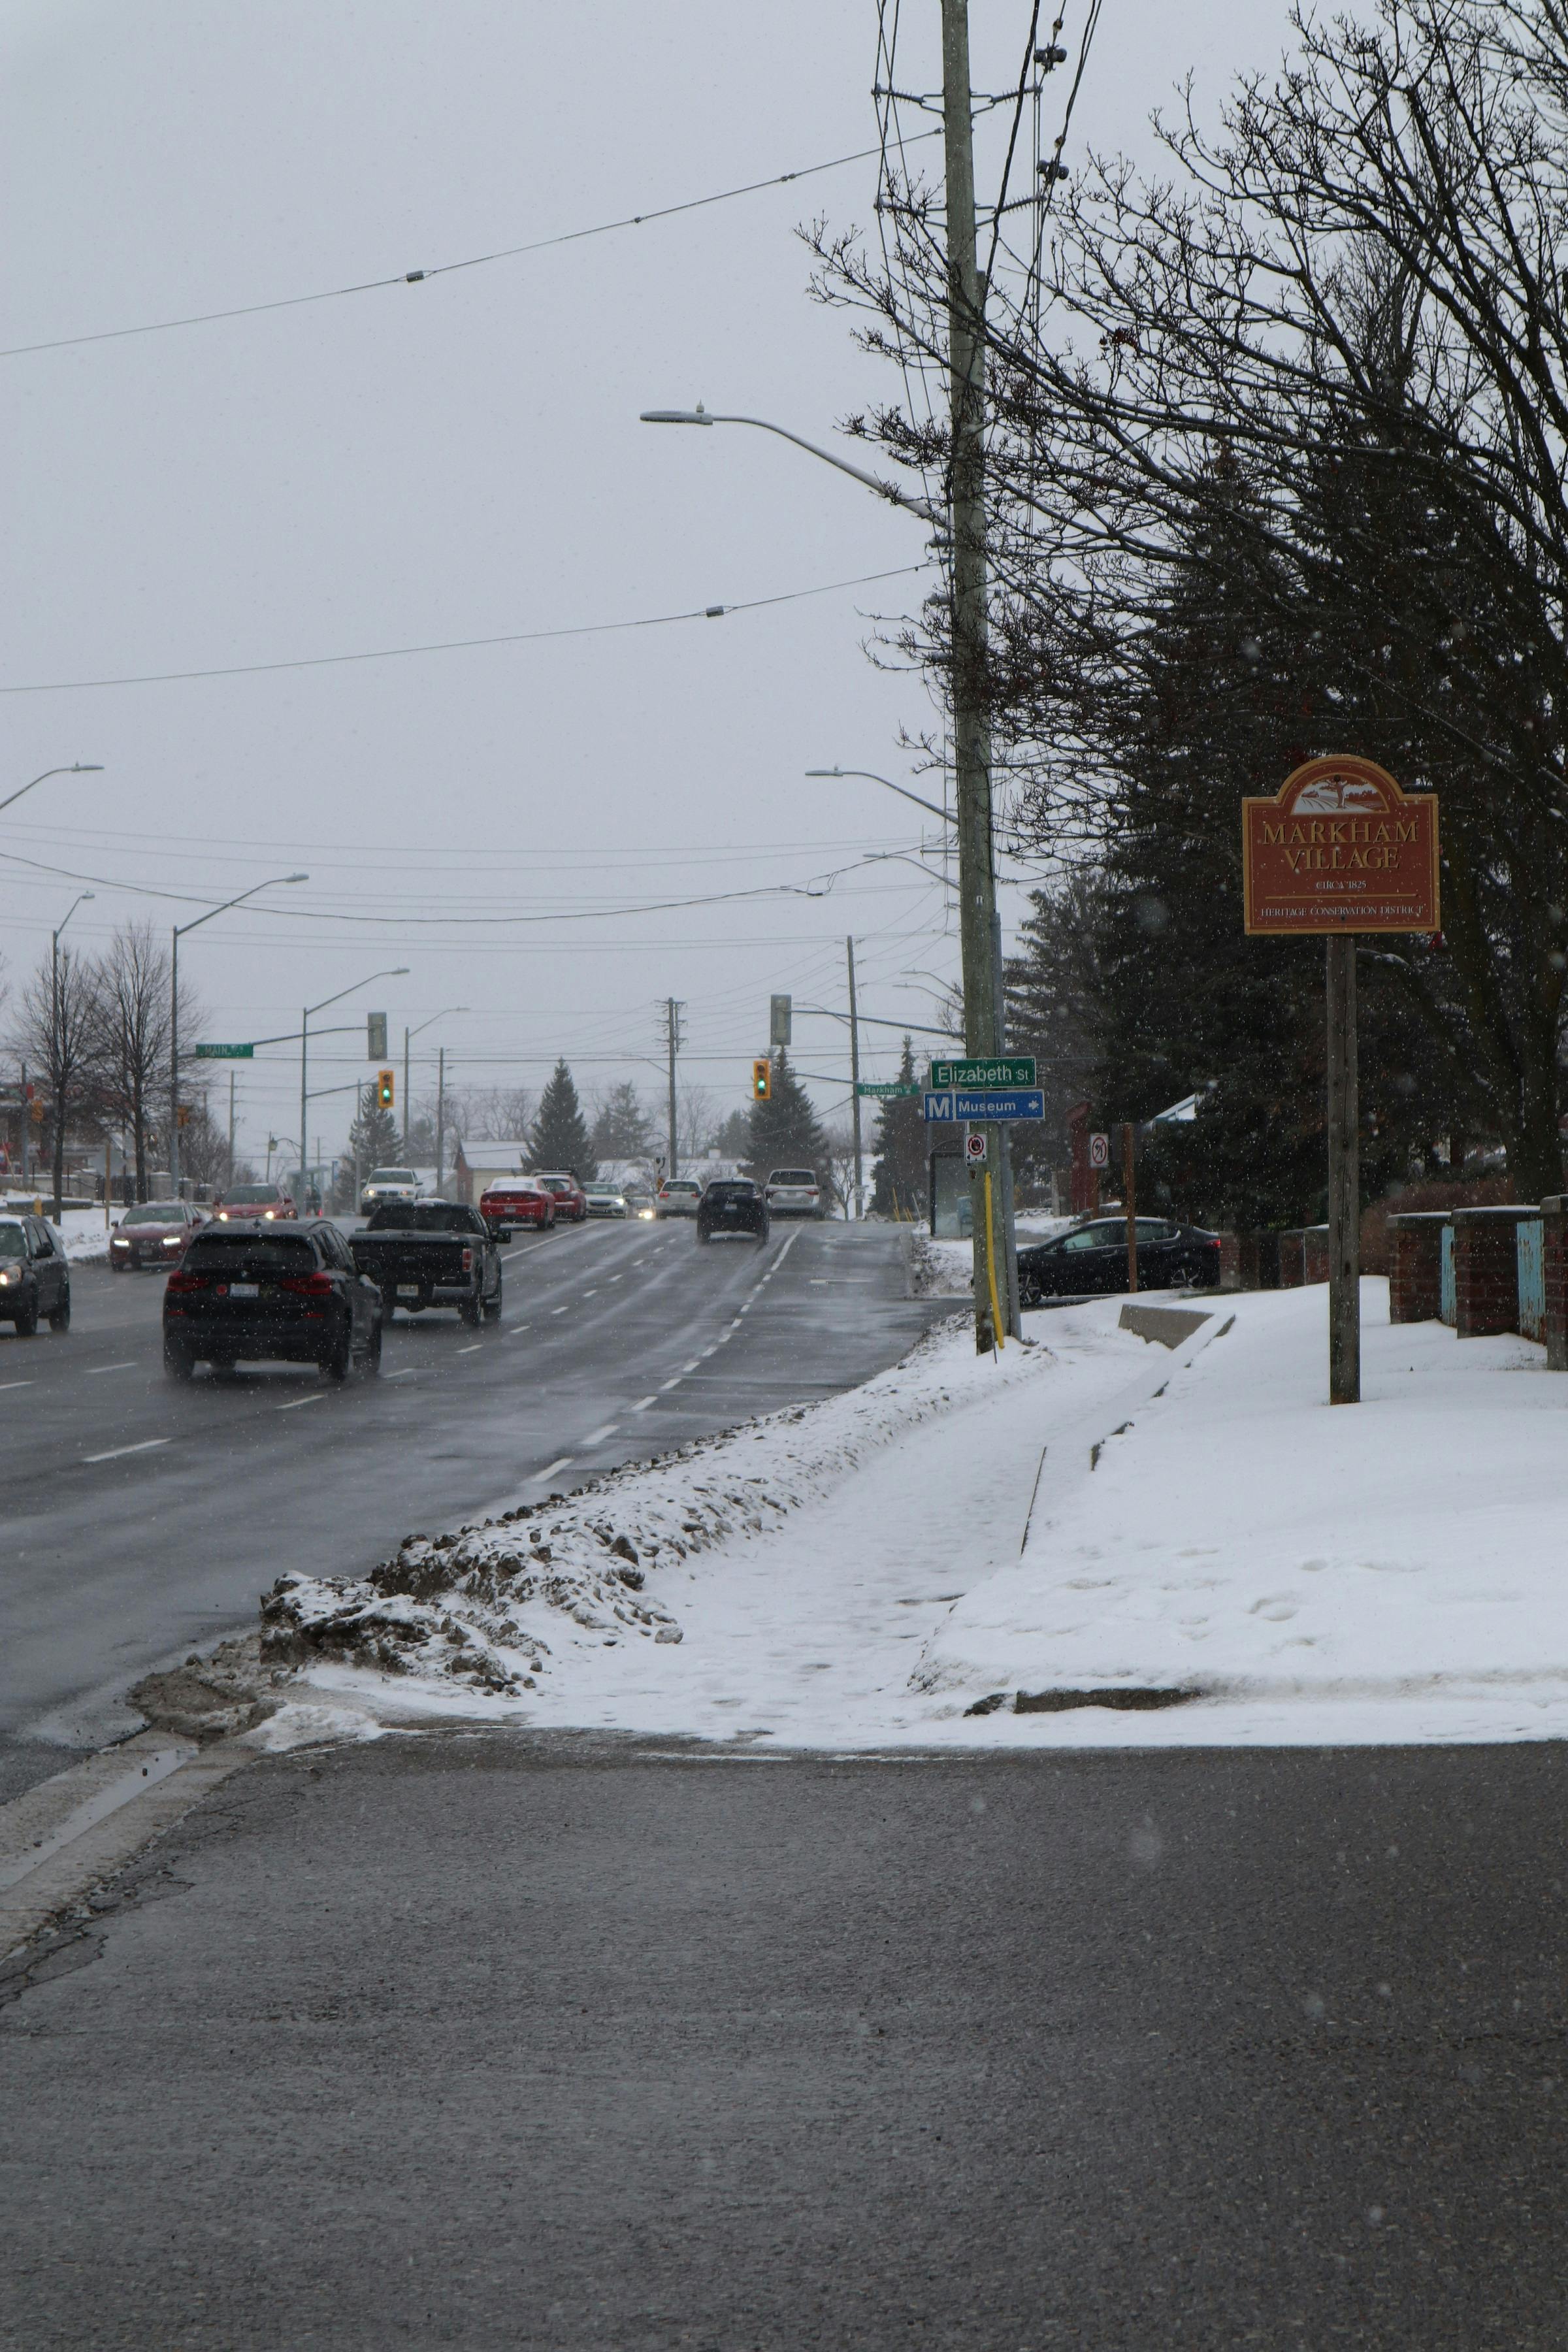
1315	1254
1415	1266
1291	1270
1229	1262
1486	1270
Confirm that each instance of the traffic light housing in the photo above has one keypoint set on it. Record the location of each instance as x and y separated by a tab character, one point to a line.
761	1081
384	1090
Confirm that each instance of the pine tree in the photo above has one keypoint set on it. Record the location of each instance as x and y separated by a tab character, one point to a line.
622	1128
376	1138
559	1137
899	1177
784	1131
733	1139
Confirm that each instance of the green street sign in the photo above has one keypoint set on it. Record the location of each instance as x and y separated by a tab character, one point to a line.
1010	1070
885	1090
225	1053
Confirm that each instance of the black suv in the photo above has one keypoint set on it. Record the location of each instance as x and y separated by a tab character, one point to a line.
249	1289
34	1276
732	1204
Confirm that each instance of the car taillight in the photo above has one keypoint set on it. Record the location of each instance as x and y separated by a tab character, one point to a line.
468	1261
188	1282
307	1286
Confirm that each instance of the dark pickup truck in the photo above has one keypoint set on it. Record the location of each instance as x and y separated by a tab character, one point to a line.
431	1254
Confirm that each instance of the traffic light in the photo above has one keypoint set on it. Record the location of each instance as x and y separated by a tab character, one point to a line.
761	1081
384	1090
183	1115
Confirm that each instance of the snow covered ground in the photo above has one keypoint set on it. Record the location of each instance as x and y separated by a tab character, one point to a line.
1204	1529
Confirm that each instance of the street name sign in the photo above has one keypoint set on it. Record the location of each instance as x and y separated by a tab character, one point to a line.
951	1106
1339	848
885	1090
1009	1070
225	1053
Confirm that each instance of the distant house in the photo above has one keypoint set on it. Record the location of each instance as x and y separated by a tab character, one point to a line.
483	1163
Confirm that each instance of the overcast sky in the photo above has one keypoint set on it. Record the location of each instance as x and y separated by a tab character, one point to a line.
461	458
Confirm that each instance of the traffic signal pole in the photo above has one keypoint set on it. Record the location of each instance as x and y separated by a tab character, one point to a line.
854	1075
984	1033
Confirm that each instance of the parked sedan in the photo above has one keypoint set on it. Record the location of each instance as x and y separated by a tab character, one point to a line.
267	1200
732	1204
1093	1258
250	1291
514	1200
155	1233
34	1276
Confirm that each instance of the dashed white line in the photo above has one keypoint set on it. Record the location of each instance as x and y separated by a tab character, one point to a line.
551	1468
597	1436
673	1384
95	1368
590	1293
559	1310
471	1350
115	1452
406	1374
295	1403
512	1330
15	1384
691	1366
643	1403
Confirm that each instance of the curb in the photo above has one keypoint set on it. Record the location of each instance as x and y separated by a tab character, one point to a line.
63	1838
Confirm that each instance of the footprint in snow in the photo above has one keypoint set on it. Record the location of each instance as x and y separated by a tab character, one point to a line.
1276	1607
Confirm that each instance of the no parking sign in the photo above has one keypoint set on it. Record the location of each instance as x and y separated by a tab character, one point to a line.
975	1148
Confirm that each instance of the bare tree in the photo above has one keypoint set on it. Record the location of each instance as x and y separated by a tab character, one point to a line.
130	1046
58	1015
694	1120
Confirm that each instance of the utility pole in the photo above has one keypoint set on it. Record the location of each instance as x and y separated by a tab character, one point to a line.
1344	1174
854	1074
408	1147
672	1012
971	723
441	1115
230	1178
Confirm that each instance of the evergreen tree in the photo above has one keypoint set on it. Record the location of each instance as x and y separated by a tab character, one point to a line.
733	1139
559	1137
622	1128
376	1138
784	1131
899	1178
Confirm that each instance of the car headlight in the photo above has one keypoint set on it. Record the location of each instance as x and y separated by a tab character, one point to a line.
8	1275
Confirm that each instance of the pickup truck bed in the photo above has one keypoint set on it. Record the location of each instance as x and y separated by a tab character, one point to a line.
431	1254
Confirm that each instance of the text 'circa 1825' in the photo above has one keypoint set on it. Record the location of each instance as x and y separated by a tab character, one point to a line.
1340	847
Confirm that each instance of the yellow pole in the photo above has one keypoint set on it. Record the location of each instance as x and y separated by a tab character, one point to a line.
990	1267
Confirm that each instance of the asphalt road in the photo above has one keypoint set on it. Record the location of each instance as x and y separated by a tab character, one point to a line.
143	1518
506	2040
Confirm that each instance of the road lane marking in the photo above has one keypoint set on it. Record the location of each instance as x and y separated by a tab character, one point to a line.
591	1294
551	1468
643	1403
674	1383
560	1310
597	1436
95	1369
15	1384
115	1452
406	1374
512	1330
472	1348
691	1366
295	1403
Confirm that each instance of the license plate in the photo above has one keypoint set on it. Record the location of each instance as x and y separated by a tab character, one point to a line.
245	1290
408	1290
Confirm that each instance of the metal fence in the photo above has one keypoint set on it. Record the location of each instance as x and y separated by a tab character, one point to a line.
1531	1279
1447	1304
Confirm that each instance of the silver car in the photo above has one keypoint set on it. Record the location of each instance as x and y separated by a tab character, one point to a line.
678	1196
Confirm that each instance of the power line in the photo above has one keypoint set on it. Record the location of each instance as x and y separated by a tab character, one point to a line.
440	268
464	644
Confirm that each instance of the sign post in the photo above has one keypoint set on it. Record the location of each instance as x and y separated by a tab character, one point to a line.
1130	1204
1341	848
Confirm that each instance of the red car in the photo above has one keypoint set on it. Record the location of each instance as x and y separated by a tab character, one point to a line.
571	1201
154	1232
516	1201
266	1200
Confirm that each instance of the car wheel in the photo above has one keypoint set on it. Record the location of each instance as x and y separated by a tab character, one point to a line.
388	1305
702	1236
472	1311
178	1360
26	1320
60	1320
225	1367
119	1265
339	1364
492	1306
373	1353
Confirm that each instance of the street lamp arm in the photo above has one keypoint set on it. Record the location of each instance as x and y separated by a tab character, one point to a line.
196	921
397	971
889	490
78	768
871	777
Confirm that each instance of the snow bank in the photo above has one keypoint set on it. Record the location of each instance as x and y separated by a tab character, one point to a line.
82	1231
494	1606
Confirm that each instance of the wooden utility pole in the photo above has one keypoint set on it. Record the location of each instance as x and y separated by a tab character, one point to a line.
854	1073
1129	1200
1344	1175
971	722
672	1040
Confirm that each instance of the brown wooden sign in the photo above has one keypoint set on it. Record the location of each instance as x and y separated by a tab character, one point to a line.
1340	847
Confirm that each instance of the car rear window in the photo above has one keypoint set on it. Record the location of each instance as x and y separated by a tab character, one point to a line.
232	1254
792	1176
420	1217
736	1191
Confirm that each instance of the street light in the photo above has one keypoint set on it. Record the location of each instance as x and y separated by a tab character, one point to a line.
397	971
180	930
55	1046
904	790
78	768
889	490
407	1036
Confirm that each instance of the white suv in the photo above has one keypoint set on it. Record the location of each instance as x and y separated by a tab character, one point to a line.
388	1184
793	1192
